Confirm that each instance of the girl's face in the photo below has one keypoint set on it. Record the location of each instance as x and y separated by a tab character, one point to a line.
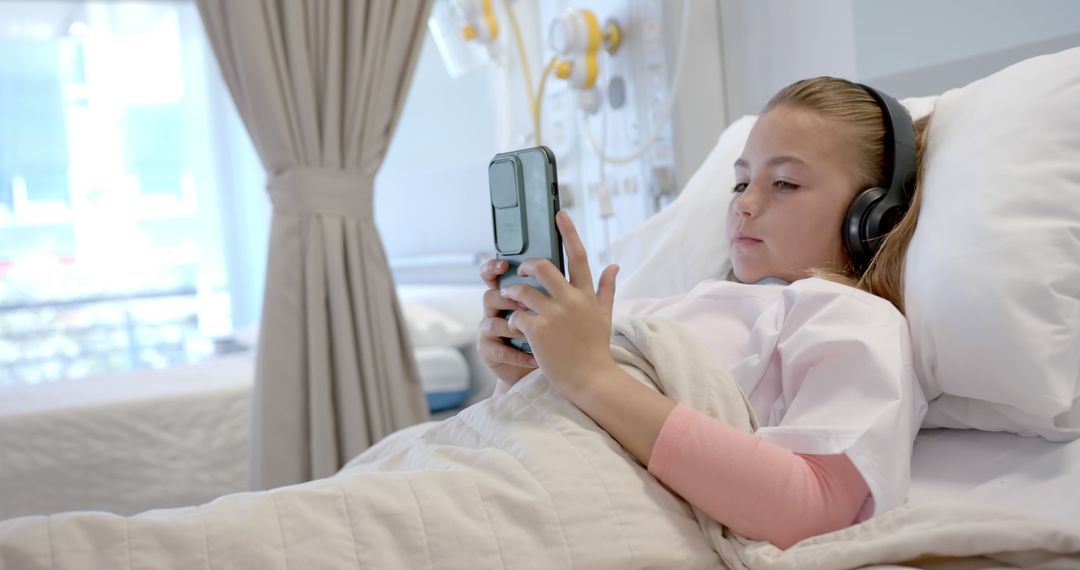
793	185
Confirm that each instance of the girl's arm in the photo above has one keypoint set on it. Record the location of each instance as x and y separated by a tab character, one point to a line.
628	410
755	487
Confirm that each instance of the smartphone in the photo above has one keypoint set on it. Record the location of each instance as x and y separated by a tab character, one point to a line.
524	200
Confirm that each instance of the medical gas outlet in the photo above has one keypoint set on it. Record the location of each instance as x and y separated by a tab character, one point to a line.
576	35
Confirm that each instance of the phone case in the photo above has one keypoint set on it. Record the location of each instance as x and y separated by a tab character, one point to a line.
524	200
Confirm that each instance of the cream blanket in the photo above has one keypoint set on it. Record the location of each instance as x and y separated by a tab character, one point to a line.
524	480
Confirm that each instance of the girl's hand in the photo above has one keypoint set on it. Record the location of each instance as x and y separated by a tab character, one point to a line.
506	362
571	330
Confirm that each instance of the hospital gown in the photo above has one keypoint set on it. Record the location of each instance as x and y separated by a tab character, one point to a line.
827	370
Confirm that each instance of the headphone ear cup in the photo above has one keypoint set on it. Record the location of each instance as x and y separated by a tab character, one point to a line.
857	237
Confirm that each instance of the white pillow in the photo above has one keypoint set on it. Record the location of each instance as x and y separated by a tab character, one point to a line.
430	327
993	272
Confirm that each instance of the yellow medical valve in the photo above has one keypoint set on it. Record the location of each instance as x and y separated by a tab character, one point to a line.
563	69
576	35
578	31
481	22
580	73
612	36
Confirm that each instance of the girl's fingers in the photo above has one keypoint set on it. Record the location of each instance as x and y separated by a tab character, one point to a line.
491	270
497	327
577	257
495	351
494	302
527	295
546	273
521	320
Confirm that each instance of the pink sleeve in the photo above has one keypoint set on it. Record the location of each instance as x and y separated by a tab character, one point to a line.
756	488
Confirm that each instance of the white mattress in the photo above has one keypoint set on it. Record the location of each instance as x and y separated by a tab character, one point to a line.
1023	474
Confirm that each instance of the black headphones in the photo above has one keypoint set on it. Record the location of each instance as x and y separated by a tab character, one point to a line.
876	211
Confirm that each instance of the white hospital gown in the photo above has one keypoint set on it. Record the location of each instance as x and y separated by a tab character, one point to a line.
827	369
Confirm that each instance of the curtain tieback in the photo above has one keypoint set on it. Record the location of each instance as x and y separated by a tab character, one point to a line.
331	191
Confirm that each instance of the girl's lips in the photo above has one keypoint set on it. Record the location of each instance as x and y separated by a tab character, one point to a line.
743	240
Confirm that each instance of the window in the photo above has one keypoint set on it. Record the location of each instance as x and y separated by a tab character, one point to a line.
130	199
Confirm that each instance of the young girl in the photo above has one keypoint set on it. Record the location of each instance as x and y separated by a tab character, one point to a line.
818	344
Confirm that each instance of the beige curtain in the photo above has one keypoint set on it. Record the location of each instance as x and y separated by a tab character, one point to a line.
319	85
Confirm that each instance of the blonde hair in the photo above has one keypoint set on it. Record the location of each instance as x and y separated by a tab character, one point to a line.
847	102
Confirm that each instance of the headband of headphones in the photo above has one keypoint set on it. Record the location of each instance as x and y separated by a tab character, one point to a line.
876	211
900	138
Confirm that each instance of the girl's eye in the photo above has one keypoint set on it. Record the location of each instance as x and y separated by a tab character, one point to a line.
739	188
785	186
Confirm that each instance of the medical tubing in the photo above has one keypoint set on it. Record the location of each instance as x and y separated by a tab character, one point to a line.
526	72
672	92
538	103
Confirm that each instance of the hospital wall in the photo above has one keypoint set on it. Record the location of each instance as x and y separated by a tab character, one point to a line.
925	47
431	194
914	48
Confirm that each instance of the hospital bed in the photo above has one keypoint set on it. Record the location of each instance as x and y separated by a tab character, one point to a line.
1025	474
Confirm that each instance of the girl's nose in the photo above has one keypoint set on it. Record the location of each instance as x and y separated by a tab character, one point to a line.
747	203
